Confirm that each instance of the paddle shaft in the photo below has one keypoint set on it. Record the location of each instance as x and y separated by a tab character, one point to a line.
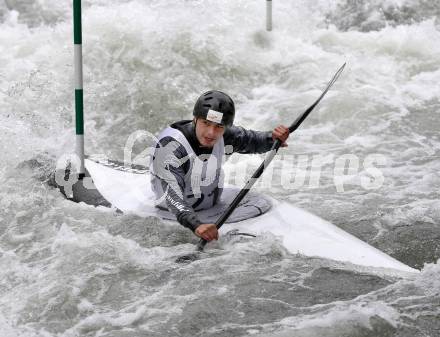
222	219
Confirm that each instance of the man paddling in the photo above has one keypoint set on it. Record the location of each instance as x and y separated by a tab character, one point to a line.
187	162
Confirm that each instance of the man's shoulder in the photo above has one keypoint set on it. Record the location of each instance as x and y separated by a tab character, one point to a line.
232	132
168	145
169	134
181	125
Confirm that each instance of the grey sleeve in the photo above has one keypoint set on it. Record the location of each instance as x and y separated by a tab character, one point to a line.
170	166
248	141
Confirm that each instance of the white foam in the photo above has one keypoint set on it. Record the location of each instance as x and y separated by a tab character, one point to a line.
145	65
351	312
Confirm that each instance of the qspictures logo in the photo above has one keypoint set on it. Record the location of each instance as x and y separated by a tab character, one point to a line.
287	171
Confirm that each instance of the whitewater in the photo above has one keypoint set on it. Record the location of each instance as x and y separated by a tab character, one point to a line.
69	269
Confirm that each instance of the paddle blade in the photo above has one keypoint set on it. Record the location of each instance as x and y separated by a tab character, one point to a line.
188	258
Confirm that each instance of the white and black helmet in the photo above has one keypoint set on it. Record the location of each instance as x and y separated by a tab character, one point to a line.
215	106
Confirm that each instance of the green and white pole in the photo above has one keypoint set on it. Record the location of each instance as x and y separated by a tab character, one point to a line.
268	15
79	106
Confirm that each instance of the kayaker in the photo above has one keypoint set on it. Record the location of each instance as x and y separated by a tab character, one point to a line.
187	163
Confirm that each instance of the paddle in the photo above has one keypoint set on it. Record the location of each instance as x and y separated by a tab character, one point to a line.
222	219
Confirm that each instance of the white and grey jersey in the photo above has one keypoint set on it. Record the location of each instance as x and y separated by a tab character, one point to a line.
187	177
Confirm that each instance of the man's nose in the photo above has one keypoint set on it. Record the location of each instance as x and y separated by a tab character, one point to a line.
211	130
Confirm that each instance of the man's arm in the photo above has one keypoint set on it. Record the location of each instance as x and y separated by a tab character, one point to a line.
248	141
170	166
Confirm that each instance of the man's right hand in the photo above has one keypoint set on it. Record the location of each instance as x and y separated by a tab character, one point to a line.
207	232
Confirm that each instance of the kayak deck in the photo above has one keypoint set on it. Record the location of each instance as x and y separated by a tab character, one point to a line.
300	231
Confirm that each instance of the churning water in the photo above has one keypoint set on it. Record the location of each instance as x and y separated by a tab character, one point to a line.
70	269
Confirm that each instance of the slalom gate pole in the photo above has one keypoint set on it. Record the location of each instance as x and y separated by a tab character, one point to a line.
79	105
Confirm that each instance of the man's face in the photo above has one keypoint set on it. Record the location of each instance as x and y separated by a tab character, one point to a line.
208	133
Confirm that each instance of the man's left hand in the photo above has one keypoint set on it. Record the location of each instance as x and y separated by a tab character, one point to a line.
281	132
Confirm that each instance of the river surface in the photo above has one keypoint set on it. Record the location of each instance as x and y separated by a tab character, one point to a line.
367	160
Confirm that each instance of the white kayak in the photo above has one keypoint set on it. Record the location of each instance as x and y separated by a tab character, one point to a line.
300	231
